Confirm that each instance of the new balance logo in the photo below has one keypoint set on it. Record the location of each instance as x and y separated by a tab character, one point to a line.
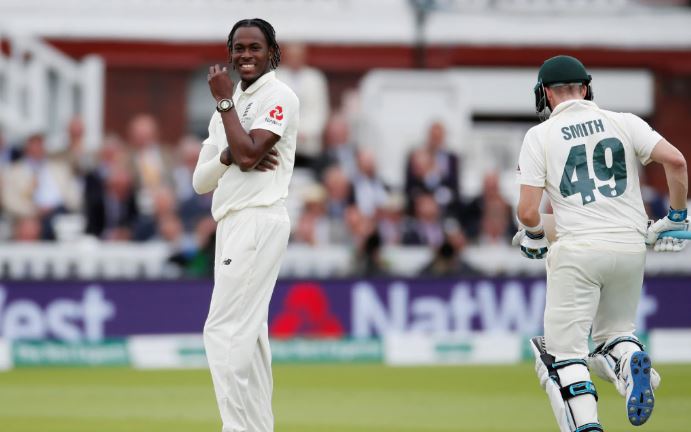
227	261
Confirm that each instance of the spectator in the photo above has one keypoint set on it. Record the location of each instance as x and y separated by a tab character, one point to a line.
202	263
448	260
149	159
111	210
194	256
109	193
339	192
421	176
391	220
313	226
35	186
426	228
310	85
369	190
339	149
187	153
366	242
446	161
27	229
476	216
170	229
112	153
496	223
184	247
75	133
359	226
193	206
148	226
369	261
72	152
433	168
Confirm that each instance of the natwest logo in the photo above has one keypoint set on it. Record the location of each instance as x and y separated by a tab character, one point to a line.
276	113
483	305
62	318
306	312
466	309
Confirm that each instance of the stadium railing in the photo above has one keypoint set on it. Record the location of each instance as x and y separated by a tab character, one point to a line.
86	260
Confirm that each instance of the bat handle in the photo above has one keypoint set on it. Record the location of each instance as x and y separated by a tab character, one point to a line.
683	235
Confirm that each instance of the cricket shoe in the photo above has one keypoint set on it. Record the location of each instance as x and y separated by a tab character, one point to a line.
639	378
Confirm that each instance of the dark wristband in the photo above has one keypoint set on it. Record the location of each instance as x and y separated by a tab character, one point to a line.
677	215
535	236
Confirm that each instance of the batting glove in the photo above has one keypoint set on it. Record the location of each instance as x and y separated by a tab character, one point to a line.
669	244
533	245
675	220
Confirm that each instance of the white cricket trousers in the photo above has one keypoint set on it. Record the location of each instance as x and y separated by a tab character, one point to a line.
250	245
591	284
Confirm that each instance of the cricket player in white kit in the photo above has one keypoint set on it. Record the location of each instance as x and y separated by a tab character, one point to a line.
247	161
587	159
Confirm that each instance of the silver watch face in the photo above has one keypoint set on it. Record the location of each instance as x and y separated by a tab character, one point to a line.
224	104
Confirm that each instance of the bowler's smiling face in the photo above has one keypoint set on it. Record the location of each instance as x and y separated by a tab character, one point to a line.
250	54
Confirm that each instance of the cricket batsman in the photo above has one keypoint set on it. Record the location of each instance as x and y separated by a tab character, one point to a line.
587	160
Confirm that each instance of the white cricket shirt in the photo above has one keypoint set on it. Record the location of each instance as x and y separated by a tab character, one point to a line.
266	104
587	158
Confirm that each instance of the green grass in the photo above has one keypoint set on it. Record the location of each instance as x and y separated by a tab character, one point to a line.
316	398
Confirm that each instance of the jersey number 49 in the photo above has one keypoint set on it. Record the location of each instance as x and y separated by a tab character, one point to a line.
583	183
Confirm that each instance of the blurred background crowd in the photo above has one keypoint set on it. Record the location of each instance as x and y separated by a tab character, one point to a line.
134	184
138	188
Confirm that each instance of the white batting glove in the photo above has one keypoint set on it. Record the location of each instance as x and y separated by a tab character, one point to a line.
675	220
669	244
533	245
518	237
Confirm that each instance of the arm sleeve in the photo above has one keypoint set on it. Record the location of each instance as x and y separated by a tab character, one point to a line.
531	162
209	168
643	137
276	111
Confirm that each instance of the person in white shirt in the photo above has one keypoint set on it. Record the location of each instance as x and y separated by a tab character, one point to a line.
247	161
311	86
587	158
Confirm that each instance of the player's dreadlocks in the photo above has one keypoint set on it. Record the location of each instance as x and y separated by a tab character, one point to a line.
269	34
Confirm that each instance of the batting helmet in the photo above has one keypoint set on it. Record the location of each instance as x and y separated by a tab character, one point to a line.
561	69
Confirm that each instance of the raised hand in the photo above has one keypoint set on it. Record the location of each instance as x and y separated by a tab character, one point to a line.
220	84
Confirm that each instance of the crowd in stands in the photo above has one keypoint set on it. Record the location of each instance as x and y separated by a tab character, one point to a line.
136	188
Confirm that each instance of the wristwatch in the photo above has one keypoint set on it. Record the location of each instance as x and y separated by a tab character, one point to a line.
224	105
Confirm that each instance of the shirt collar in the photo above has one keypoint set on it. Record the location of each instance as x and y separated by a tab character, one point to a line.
271	75
572	103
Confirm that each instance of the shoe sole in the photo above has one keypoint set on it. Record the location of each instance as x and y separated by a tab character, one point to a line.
641	401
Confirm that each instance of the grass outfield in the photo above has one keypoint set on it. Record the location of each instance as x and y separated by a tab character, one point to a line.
316	398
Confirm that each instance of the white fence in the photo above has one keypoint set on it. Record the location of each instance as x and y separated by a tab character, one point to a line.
41	89
95	260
